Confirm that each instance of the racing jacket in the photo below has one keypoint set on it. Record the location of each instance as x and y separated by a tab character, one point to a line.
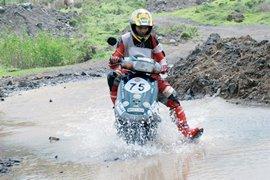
130	46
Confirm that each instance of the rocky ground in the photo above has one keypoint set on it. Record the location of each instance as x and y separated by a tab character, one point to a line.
169	5
6	164
90	69
33	18
233	68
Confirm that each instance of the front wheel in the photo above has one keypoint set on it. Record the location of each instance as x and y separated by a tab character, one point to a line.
137	132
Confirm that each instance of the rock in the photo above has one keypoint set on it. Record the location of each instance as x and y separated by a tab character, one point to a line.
24	83
236	17
27	6
2	94
10	83
264	7
5	164
39	25
232	88
48	77
2	10
93	49
3	169
83	74
212	39
51	138
94	75
172	41
160	38
199	1
60	75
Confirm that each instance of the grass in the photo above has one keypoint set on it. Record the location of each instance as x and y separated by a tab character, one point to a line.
183	31
44	50
106	18
98	20
14	72
216	12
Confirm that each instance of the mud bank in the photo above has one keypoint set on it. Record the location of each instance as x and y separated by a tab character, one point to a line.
77	72
232	68
6	164
34	18
170	5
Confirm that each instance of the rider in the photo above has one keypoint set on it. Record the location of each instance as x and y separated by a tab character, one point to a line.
141	41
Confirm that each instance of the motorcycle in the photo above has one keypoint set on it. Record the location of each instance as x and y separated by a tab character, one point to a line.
136	108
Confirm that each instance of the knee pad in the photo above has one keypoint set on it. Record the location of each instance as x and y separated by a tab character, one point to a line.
168	91
174	98
113	79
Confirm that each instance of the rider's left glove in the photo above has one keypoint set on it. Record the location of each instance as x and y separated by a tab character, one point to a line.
114	60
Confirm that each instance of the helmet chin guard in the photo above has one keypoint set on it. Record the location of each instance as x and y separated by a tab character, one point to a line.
141	17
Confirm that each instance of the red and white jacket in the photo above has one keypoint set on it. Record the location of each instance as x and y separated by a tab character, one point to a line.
128	45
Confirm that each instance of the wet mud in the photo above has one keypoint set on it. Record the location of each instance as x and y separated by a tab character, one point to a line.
233	68
235	142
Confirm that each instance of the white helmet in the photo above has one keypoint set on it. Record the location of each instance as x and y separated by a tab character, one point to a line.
141	17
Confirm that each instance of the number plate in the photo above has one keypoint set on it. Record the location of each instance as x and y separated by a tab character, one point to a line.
137	85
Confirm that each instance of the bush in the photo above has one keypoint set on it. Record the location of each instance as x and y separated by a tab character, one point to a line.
183	31
44	50
102	19
189	32
216	12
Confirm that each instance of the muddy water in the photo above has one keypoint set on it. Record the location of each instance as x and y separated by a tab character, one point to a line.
236	143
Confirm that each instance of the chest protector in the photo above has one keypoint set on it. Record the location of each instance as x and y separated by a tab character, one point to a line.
132	50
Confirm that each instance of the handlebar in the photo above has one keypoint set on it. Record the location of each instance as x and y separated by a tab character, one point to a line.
141	64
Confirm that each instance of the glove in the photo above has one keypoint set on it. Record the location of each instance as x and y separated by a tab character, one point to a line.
164	69
117	73
114	60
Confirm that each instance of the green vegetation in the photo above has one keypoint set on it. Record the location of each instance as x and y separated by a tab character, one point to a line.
97	21
4	71
216	12
103	19
183	31
45	50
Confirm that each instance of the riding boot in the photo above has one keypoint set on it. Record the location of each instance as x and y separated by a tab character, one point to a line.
181	121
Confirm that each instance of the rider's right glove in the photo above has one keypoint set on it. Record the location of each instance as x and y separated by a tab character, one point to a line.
164	69
114	60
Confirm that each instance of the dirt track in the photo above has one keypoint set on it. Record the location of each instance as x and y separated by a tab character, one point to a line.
97	69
